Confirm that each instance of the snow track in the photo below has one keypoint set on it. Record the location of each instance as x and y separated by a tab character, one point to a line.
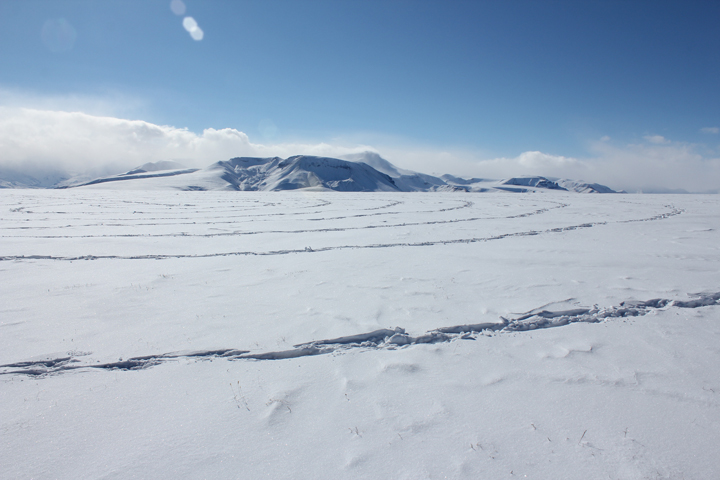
379	339
222	226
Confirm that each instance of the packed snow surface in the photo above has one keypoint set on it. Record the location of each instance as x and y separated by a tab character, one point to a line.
302	334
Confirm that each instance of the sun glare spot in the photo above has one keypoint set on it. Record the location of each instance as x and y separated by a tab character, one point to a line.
177	7
192	27
58	35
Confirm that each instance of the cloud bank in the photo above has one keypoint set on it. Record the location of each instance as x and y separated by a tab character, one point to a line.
648	167
33	140
39	142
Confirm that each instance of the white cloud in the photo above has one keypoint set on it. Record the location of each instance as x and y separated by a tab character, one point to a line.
74	142
36	140
633	168
643	167
656	139
535	163
713	130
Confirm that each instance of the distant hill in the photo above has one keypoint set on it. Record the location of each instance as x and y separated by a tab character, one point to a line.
363	172
526	184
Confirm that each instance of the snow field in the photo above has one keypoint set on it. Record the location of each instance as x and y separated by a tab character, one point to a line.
198	272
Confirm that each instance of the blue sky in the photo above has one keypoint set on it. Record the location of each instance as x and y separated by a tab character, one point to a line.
475	80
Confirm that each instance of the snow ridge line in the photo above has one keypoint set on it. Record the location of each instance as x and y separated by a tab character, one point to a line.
384	338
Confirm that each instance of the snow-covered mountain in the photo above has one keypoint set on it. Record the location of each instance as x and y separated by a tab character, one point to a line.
255	174
525	184
362	172
298	172
406	180
156	166
17	178
582	187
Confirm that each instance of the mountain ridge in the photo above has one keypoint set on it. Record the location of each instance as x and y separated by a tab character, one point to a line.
361	172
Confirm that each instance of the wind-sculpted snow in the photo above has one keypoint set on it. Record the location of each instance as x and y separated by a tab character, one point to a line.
378	339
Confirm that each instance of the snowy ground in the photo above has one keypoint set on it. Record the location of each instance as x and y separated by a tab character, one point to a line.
221	335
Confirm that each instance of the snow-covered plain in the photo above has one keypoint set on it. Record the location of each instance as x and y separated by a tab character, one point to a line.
221	335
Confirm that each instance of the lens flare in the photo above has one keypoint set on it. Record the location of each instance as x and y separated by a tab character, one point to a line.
58	35
268	129
177	7
191	26
197	34
189	23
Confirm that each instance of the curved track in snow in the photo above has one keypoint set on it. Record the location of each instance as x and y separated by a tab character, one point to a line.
290	223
